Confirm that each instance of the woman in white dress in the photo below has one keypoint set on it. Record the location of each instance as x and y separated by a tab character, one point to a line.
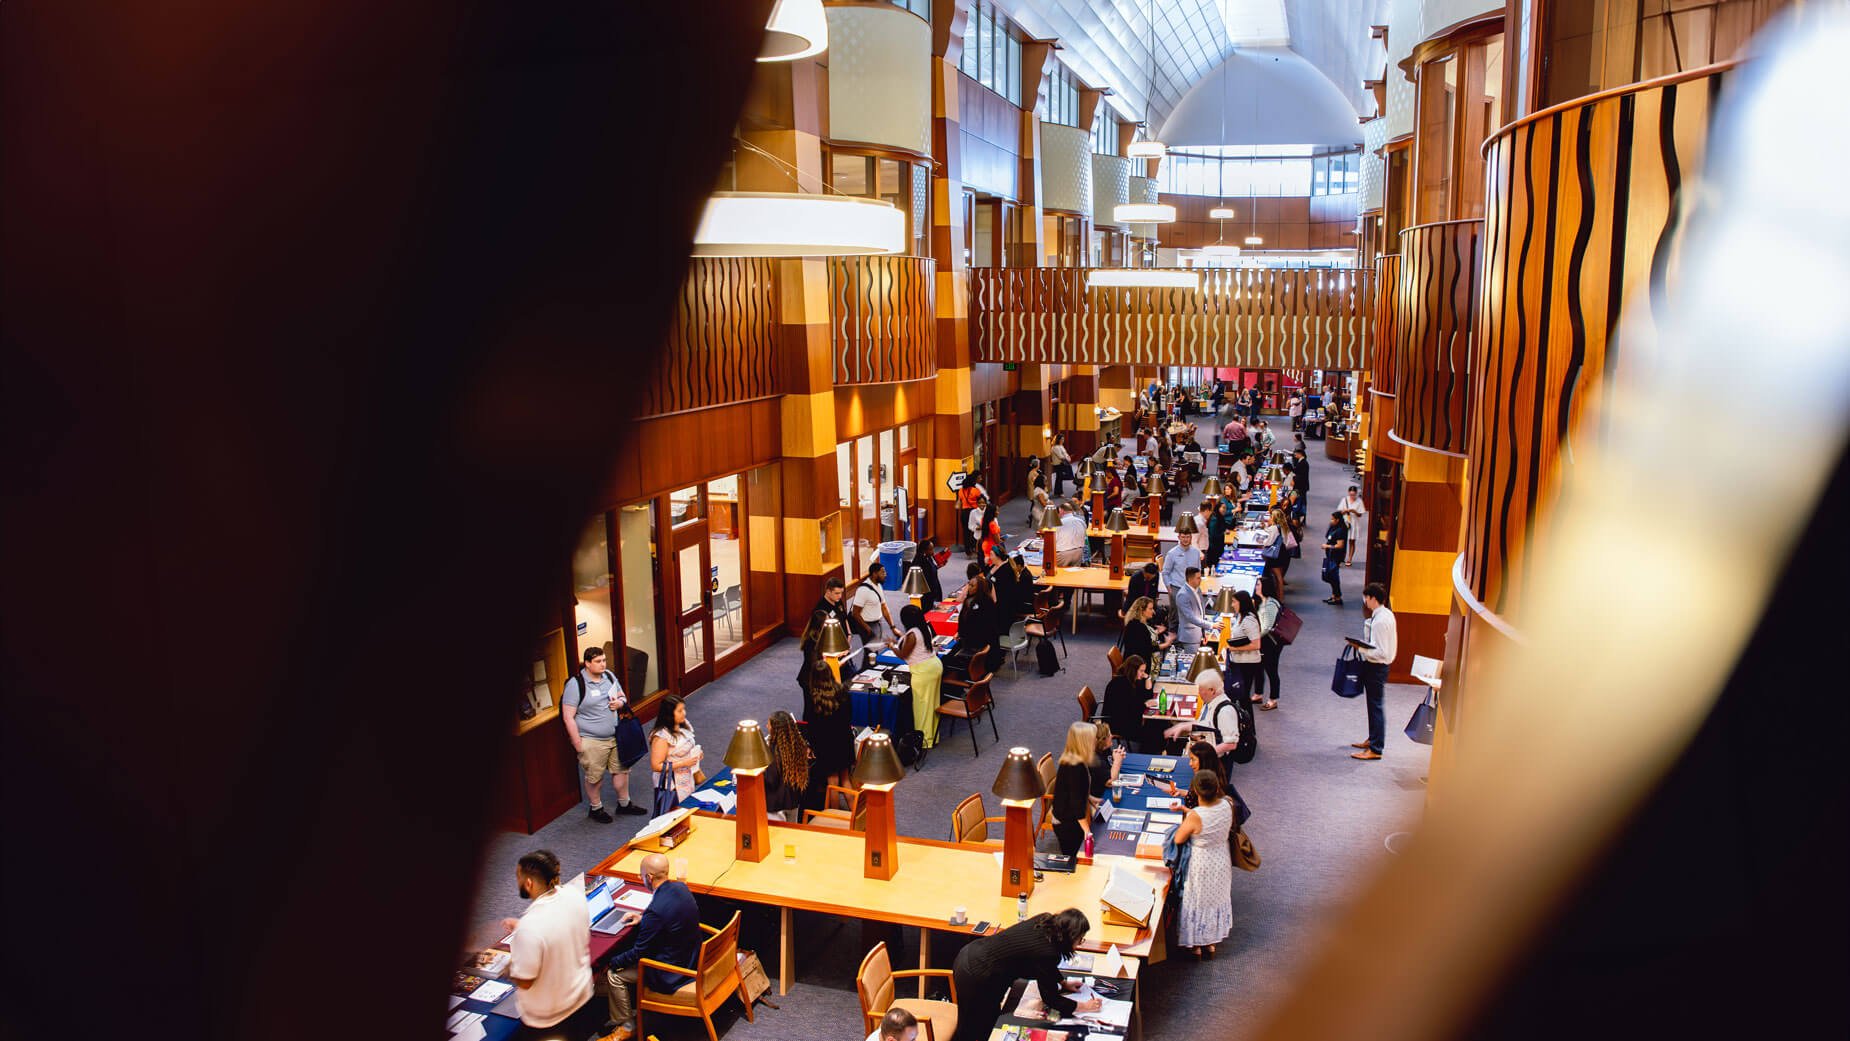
1207	895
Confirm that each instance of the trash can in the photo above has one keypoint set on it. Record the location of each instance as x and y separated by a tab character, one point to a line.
893	555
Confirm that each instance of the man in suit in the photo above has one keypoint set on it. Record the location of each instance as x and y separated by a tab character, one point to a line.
668	931
1191	612
1176	563
1300	472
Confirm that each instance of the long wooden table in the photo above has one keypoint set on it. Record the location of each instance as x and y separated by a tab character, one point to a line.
933	878
1093	579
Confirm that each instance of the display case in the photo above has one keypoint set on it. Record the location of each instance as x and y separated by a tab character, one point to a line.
539	780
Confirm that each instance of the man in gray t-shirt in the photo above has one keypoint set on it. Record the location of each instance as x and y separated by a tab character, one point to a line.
590	707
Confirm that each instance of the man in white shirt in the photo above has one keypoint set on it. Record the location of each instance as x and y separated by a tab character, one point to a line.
896	1025
551	947
869	604
1353	511
1381	633
1070	539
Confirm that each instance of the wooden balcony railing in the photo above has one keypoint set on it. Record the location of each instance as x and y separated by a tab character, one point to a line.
1581	213
1435	305
1259	318
883	318
722	342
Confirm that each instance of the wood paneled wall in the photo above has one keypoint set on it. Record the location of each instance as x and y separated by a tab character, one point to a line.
1315	222
721	346
883	318
1381	349
990	129
1583	210
1435	308
1257	318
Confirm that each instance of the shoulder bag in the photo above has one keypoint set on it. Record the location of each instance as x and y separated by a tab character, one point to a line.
1287	625
1347	682
666	798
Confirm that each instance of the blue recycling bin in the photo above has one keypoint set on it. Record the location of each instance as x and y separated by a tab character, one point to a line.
893	556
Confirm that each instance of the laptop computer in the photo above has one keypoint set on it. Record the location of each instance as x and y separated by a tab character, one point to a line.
606	916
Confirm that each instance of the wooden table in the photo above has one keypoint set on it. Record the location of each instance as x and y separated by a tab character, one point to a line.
1165	533
1131	971
1085	580
933	878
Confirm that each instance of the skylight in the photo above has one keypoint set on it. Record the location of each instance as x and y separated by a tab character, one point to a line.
1255	23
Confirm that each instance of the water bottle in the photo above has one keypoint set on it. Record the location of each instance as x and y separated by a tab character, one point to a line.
1021	908
1088	848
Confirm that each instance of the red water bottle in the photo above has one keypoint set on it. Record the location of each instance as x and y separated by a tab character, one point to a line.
1088	843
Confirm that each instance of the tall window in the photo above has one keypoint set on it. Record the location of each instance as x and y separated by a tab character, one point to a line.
1336	173
1061	103
1104	131
1234	170
992	54
906	185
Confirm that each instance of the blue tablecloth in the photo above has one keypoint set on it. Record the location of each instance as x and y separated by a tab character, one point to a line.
720	781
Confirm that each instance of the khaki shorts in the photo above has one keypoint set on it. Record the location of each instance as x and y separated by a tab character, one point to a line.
598	756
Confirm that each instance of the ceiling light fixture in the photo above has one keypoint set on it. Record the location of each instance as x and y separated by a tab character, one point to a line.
1143	213
1221	249
1141	278
1149	149
1254	240
796	29
1146	150
1221	213
790	224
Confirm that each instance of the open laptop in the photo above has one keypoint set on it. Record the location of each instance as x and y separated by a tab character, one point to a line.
606	916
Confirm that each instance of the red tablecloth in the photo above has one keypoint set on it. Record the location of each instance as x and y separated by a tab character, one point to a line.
942	622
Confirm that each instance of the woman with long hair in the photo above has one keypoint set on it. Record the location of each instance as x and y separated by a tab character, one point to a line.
672	747
988	967
1125	697
787	778
1243	643
1270	647
1140	639
831	729
924	558
991	532
1072	787
979	623
927	669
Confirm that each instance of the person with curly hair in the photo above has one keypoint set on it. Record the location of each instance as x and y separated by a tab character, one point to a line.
831	730
787	778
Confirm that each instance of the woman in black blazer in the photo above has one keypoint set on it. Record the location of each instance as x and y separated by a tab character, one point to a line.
1125	696
985	970
980	624
1139	639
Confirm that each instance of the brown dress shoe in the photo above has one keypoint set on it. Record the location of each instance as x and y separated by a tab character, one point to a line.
1365	754
1359	744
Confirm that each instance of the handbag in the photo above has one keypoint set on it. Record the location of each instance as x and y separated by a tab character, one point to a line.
1419	728
1245	854
1287	625
631	744
1329	568
1347	682
1271	551
666	798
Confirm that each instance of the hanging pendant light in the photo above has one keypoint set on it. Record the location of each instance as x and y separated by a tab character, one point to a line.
1149	149
1143	213
1221	213
1220	249
1254	240
1141	278
792	224
1146	150
796	29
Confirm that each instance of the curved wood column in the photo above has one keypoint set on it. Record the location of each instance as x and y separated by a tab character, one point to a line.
1381	385
1437	292
1583	209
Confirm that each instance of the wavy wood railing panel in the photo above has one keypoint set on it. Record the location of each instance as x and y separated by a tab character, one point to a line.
1436	302
721	345
1256	318
1582	211
1387	327
883	318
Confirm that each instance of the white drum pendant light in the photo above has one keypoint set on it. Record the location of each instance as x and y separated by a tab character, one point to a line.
1149	149
1143	213
1141	278
1146	150
790	224
1221	213
1220	249
796	29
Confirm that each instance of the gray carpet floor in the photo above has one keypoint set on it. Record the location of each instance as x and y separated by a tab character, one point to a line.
1320	821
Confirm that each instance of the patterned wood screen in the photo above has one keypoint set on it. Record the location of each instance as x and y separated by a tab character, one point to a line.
1582	213
1437	295
1256	318
882	318
1381	359
722	344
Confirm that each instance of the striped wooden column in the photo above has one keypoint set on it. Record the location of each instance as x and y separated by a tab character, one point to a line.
1078	417
952	442
786	110
1436	305
1381	484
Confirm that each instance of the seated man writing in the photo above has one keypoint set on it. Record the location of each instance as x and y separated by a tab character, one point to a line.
669	931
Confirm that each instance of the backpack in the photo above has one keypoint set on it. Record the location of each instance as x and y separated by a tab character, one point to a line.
1247	745
1049	661
910	747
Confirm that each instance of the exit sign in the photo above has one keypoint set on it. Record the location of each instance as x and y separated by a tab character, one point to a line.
1010	366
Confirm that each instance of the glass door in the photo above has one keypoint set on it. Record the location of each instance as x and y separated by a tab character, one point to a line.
695	581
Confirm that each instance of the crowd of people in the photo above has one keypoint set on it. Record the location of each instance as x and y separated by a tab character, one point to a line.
1164	608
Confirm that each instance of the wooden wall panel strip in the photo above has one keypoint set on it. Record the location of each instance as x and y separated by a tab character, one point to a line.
1582	213
721	346
883	318
1249	318
1434	327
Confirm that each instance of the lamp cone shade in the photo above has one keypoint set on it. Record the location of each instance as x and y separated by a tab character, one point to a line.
1185	524
915	582
796	29
1116	521
748	750
878	764
1153	486
1225	602
833	641
1205	661
1211	488
794	224
1018	780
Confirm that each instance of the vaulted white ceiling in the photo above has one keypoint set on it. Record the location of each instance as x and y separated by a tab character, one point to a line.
1107	42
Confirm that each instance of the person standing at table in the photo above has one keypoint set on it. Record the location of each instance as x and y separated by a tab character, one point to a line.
926	669
1072	788
989	534
979	624
1206	915
787	778
1335	542
833	604
550	965
1215	524
869	605
1070	538
924	559
1217	714
829	717
1300	470
1191	612
1234	434
1271	649
1114	491
1263	442
1353	510
1380	629
669	932
1062	465
1243	644
1176	563
1139	638
593	706
673	748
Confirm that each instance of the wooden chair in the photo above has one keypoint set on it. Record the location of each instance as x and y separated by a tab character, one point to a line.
716	978
1047	768
851	816
1116	657
874	984
968	823
974	702
1139	547
1088	704
1046	621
